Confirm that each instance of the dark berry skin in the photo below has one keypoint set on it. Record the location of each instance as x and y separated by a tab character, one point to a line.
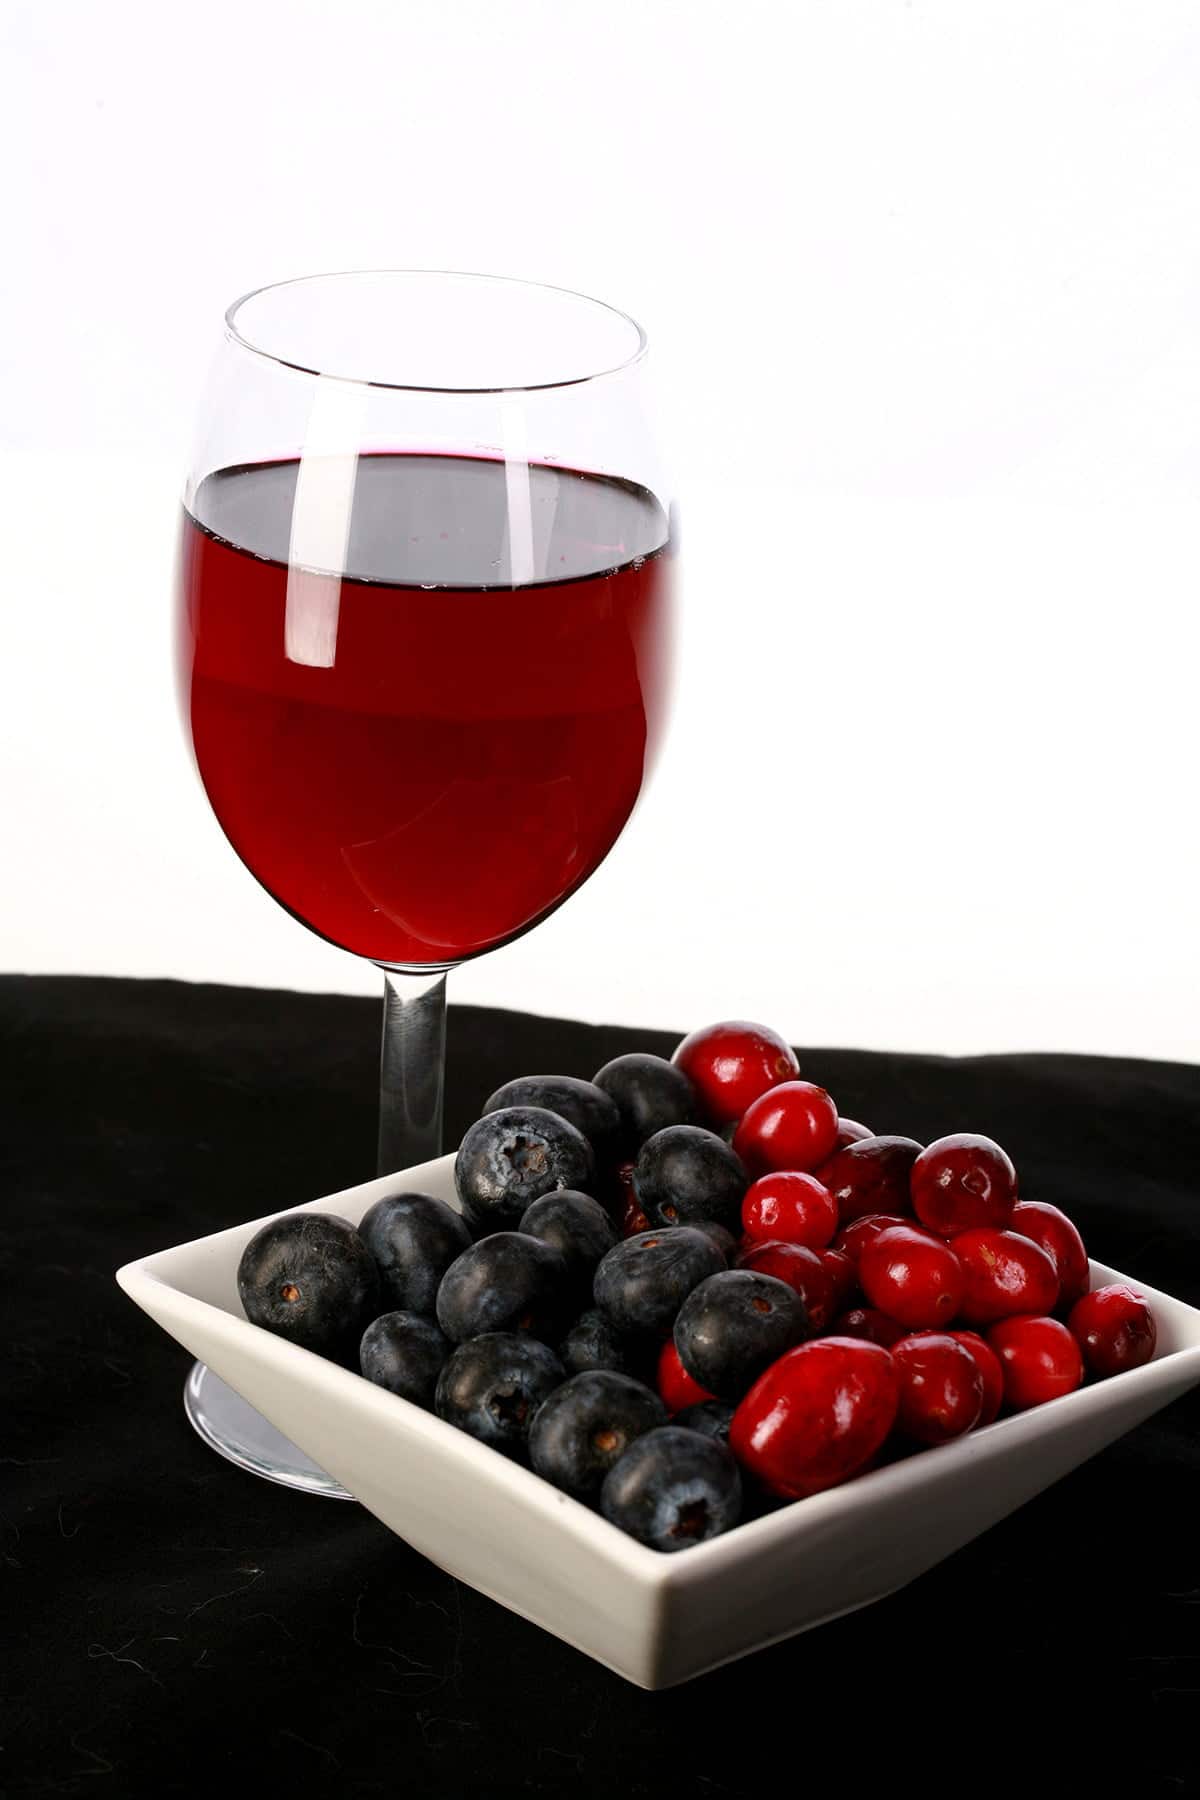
592	1343
581	1103
576	1226
309	1278
871	1175
721	1236
506	1282
509	1159
644	1280
711	1418
990	1373
587	1425
492	1387
803	1270
650	1094
673	1488
869	1323
404	1353
963	1182
414	1239
685	1174
1114	1328
734	1324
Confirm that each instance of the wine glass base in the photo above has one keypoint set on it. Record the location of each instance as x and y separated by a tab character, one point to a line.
230	1426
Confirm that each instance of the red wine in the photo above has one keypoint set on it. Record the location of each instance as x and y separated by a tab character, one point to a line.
422	714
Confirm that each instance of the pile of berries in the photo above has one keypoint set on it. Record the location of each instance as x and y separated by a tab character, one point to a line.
685	1291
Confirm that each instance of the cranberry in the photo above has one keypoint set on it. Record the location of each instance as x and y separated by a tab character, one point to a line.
802	1269
852	1239
941	1389
988	1364
962	1181
868	1322
1114	1328
817	1416
1054	1233
732	1063
675	1385
912	1277
1040	1359
842	1274
792	1126
849	1132
626	1212
871	1176
1003	1273
789	1208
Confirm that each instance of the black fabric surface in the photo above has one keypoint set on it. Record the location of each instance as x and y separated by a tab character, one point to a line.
171	1623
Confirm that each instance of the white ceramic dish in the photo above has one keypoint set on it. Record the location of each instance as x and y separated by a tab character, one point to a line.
654	1619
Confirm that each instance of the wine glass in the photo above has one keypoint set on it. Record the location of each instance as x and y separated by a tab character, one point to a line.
425	587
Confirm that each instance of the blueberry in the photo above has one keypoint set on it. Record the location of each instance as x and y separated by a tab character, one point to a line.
587	1425
684	1174
721	1236
581	1103
511	1158
309	1277
506	1282
673	1488
576	1226
644	1280
650	1093
492	1387
414	1239
403	1352
592	1343
711	1418
730	1327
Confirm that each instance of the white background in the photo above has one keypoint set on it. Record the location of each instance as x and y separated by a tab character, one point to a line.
923	281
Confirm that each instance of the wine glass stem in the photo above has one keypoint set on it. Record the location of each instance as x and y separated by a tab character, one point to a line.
411	1069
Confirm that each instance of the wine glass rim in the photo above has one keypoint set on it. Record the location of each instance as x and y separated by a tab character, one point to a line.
239	337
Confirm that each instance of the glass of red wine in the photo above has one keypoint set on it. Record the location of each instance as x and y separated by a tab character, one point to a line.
424	635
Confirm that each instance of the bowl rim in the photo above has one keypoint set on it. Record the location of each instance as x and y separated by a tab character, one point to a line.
865	1494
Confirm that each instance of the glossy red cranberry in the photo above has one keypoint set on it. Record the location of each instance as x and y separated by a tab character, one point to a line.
869	1323
789	1208
1054	1233
941	1389
1114	1328
842	1274
803	1270
792	1126
912	1277
817	1416
1040	1359
676	1387
871	1176
732	1063
962	1181
852	1239
849	1132
992	1375
1003	1274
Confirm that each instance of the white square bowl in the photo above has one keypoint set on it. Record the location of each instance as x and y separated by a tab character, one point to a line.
655	1619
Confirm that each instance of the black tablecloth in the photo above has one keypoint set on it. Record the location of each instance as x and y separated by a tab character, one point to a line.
171	1622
